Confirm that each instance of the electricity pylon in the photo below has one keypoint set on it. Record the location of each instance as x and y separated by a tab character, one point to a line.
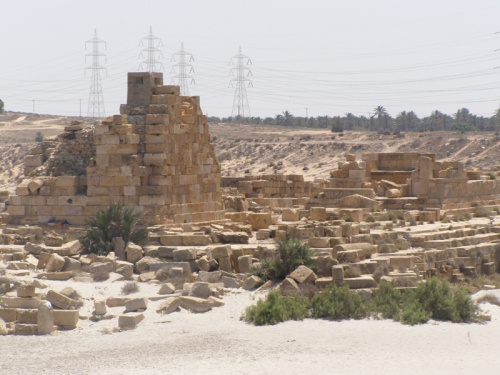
152	52
182	60
96	101
240	72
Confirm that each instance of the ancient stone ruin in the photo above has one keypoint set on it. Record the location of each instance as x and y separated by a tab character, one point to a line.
399	217
155	157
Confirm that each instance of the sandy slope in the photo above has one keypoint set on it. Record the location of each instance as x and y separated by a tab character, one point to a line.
217	342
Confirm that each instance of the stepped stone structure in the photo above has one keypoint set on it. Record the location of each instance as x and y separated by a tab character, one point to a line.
155	157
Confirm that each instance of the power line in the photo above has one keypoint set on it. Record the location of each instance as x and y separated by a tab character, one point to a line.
240	72
151	51
181	78
96	101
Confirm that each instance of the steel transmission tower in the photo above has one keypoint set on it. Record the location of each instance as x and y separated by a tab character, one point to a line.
151	51
240	73
96	101
182	60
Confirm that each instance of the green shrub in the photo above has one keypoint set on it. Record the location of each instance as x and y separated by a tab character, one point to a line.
413	314
348	218
276	309
115	221
290	253
338	302
386	300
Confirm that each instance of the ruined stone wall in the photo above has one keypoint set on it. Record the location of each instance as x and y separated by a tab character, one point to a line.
274	186
155	157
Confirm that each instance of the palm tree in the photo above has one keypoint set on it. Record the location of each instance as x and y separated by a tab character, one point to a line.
382	117
288	118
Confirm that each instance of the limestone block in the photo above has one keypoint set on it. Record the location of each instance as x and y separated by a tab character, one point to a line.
195	304
263	234
168	306
33	160
259	220
22	188
357	201
143	265
171	240
26	290
209	277
125	269
234	237
136	304
361	282
25	329
319	242
100	307
71	264
200	289
101	270
3	328
219	251
245	263
317	214
290	214
252	282
8	315
34	185
55	263
203	264
133	252
225	264
167	288
289	287
116	301
230	282
195	240
324	264
130	321
60	300
338	273
303	275
184	255
53	239
119	247
61	276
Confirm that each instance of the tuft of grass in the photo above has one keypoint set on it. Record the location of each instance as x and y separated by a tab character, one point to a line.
130	287
370	219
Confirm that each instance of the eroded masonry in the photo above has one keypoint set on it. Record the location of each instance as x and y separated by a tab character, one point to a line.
155	157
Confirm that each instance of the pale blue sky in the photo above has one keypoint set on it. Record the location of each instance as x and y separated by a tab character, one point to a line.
331	57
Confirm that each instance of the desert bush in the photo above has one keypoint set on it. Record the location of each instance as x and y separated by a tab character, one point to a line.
414	314
388	226
480	211
370	219
276	309
338	302
386	300
290	253
348	218
130	287
402	244
115	221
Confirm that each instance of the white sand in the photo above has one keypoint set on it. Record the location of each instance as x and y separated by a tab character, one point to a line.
217	342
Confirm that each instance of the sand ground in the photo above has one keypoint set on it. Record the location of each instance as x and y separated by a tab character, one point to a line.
217	342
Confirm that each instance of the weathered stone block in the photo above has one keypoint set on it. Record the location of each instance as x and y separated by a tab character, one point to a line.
183	255
60	300
55	263
130	321
133	252
136	304
245	263
303	275
168	306
200	289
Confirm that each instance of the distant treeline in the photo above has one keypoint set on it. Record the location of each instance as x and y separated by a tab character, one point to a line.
380	120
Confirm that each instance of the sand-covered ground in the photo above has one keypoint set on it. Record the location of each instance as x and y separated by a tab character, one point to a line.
218	342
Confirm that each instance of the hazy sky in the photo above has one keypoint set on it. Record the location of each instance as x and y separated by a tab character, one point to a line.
331	57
